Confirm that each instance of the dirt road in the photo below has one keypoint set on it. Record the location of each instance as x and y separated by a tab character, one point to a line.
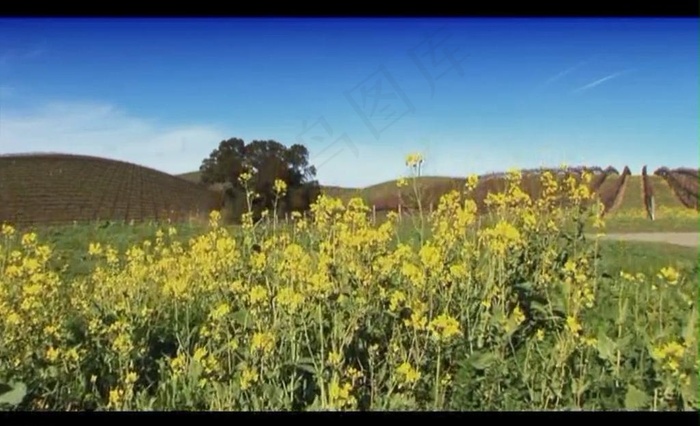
687	239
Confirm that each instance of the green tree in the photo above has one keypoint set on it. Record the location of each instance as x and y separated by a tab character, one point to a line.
268	160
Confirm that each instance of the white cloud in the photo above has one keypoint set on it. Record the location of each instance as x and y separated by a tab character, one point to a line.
103	130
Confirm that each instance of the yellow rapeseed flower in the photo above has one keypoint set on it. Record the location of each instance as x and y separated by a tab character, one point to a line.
669	274
472	181
7	230
280	187
573	325
221	311
430	257
627	276
590	341
52	354
116	397
199	354
289	299
539	335
444	327
397	300
414	159
29	239
263	342
245	177
248	377
94	249
131	378
670	356
335	358
257	294
178	364
339	395
407	374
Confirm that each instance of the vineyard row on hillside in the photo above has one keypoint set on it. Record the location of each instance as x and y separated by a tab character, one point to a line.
612	196
490	183
683	184
648	191
53	189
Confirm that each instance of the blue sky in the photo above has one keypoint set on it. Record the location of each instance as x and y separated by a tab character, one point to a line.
473	95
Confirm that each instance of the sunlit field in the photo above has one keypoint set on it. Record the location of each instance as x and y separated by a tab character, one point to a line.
518	310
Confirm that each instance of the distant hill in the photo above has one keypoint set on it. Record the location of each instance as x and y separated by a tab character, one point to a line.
619	191
58	188
385	196
195	177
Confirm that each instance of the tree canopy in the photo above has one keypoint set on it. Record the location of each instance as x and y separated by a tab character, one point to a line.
267	160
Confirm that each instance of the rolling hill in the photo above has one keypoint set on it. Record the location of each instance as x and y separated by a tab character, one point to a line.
620	192
58	188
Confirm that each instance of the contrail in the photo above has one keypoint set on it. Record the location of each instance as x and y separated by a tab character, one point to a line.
598	82
565	72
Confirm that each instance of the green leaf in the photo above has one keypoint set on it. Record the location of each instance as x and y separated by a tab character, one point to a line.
544	311
689	393
316	405
482	360
195	371
539	307
557	302
272	392
306	364
689	333
606	347
15	395
528	286
497	318
579	386
241	317
623	342
401	402
623	312
635	399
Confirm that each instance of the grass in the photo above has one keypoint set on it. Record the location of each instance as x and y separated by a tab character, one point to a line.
645	257
626	224
70	242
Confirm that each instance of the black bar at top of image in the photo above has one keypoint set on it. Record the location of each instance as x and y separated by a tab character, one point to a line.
583	9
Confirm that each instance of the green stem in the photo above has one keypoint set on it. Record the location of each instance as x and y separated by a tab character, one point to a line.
323	351
437	378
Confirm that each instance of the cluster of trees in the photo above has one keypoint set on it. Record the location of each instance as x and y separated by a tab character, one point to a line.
267	161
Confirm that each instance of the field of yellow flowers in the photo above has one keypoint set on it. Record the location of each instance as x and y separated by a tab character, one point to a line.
333	313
